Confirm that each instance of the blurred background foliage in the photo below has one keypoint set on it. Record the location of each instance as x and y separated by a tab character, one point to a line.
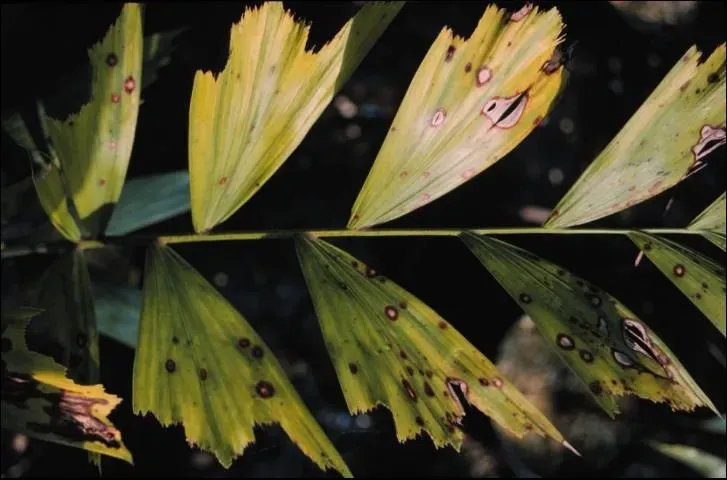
623	51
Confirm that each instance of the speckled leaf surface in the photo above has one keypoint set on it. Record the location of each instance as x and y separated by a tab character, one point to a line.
245	122
606	345
712	223
92	148
668	138
390	349
470	103
698	277
198	362
40	401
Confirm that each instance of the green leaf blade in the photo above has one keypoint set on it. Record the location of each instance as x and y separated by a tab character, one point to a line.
712	222
697	276
605	344
667	139
199	363
388	348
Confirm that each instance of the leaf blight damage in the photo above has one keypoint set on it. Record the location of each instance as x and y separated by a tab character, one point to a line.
664	142
605	344
198	362
698	277
388	348
246	121
469	104
93	147
40	401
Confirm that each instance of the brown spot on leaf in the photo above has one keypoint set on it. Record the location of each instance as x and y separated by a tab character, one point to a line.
594	300
257	352
203	374
129	84
525	298
222	181
170	365
450	53
402	354
713	77
497	382
679	270
264	389
468	67
409	389
353	367
439	117
595	387
565	342
403	305
428	389
586	356
175	340
484	382
442	325
420	421
391	312
115	98
370	272
243	342
409	370
112	59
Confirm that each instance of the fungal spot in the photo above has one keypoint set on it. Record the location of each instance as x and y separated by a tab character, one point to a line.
586	356
112	59
622	359
264	389
602	326
353	368
710	139
469	173
129	84
439	116
342	285
484	75
420	421
713	77
170	365
505	112
647	247
595	387
403	305
102	183
354	263
370	272
257	352
429	374
428	389
637	339
450	53
497	382
528	426
402	354
679	270
468	67
484	382
222	181
561	272
565	342
698	296
705	286
409	389
442	325
243	342
409	370
175	340
391	312
203	374
115	98
522	13
403	175
594	300
525	298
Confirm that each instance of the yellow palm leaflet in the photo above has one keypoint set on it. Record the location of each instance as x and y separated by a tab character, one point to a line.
198	362
246	122
666	140
605	344
91	149
40	401
469	104
390	349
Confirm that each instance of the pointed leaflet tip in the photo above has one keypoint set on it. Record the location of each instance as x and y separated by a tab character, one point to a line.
470	103
388	348
246	122
198	361
570	447
664	142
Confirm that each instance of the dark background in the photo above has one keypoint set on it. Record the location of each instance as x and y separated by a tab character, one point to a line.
615	67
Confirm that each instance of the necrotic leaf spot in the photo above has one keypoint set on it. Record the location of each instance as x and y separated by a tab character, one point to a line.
622	359
420	421
439	116
586	356
594	300
111	59
505	112
391	312
170	365
679	270
257	352
264	389
353	367
409	389
115	98
129	84
450	53
428	389
484	75
525	298
565	342
203	374
484	382
243	342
